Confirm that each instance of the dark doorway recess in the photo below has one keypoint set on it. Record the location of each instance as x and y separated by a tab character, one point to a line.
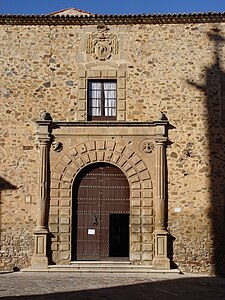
101	207
119	235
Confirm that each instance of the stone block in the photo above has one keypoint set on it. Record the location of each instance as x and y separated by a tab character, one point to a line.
147	193
66	159
54	193
147	220
131	172
135	202
55	184
121	116
121	95
81	115
60	167
65	194
101	155
122	105
112	73
135	159
147	184
65	212
147	247
64	237
146	237
64	229
136	228
121	83
147	202
121	73
135	256
53	228
66	184
54	202
136	186
82	83
135	237
135	211
64	246
82	104
135	220
147	211
136	194
144	175
53	220
65	202
147	256
147	228
65	220
54	247
54	210
82	74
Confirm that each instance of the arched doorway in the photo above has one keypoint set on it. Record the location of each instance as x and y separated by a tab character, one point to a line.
101	208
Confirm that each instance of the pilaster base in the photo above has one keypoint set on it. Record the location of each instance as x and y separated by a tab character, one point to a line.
161	261
39	262
39	259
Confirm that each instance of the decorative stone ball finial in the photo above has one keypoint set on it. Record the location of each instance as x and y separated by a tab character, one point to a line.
162	116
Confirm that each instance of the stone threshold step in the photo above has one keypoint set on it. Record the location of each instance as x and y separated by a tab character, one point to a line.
131	269
100	262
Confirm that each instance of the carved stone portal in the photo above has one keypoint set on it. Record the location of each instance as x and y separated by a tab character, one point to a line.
84	144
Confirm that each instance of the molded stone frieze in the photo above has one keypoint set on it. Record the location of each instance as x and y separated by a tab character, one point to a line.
102	44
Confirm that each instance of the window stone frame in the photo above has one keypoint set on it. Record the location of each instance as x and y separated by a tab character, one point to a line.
85	75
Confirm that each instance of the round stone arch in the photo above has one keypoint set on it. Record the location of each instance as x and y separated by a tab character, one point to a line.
141	197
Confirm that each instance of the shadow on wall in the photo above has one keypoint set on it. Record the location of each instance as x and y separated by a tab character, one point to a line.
214	91
148	288
4	185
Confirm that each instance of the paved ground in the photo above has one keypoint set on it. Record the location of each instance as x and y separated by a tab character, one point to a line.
68	286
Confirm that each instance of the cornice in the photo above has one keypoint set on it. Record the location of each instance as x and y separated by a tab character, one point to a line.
112	19
105	124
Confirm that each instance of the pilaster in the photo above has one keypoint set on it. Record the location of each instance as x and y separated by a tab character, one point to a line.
39	258
160	260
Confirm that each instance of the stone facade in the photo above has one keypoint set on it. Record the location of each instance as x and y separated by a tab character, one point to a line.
173	65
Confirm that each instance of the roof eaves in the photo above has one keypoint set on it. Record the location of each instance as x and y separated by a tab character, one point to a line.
114	19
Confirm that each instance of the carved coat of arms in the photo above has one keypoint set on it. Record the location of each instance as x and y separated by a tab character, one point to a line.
102	44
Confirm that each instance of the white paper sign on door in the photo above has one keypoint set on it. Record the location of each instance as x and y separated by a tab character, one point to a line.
91	231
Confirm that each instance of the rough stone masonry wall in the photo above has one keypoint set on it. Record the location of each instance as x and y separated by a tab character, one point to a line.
170	68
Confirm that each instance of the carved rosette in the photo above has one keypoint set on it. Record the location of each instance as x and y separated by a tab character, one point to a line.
147	146
57	146
102	44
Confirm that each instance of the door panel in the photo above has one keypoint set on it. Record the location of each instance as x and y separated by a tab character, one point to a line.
88	225
102	190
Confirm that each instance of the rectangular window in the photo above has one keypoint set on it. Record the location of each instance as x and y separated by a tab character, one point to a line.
101	100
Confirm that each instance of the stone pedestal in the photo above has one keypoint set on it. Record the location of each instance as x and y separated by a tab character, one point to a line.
160	261
39	259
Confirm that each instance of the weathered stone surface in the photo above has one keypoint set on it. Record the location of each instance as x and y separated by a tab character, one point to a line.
174	68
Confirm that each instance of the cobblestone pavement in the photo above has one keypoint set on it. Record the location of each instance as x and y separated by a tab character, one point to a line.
68	286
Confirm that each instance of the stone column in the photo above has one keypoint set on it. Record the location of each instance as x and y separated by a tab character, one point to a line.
160	260
39	258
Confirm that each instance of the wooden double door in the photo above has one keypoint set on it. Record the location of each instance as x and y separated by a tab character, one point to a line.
101	210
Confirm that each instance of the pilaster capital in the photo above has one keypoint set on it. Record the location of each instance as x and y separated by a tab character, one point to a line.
44	128
160	141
